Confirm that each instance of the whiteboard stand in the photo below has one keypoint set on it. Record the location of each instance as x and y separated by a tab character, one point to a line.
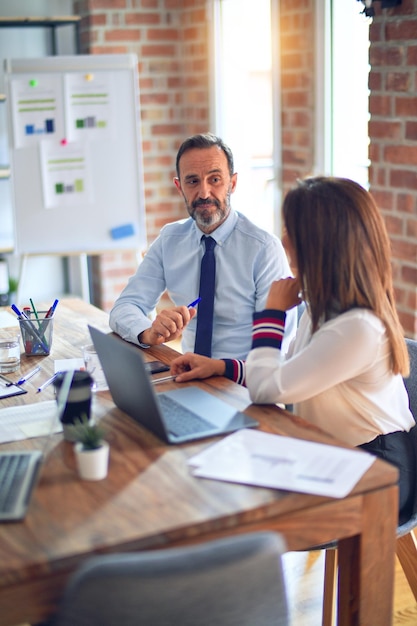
85	282
22	271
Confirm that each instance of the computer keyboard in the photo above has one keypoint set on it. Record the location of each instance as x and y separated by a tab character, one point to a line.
180	420
18	472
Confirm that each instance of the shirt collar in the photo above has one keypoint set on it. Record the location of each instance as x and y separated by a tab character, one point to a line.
223	231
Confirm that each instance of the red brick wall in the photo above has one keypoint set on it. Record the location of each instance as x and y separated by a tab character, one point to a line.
393	143
297	89
170	39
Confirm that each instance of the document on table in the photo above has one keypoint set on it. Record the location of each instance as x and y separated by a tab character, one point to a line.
253	457
29	420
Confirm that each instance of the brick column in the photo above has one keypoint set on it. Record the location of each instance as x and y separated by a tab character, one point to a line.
393	144
297	89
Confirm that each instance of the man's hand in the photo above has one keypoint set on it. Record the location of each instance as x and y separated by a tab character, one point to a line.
168	325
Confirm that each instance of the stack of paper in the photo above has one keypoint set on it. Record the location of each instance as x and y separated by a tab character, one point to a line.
29	420
256	458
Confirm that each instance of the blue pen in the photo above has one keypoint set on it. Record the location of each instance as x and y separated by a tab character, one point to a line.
22	381
193	303
49	314
52	309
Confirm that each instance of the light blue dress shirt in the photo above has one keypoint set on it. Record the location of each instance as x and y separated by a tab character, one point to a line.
248	259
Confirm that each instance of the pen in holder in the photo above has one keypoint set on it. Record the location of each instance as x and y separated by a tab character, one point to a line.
37	334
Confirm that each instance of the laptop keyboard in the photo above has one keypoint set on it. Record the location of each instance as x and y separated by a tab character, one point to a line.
16	481
180	420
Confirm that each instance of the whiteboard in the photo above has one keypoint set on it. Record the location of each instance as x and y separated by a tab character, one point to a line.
76	155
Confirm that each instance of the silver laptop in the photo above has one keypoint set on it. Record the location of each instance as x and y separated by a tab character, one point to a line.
19	469
184	414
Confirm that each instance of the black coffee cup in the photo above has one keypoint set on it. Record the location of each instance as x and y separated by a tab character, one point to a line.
78	404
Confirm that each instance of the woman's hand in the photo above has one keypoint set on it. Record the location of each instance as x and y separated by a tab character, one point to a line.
190	366
284	294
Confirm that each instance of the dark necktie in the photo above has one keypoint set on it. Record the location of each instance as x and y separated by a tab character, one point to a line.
205	308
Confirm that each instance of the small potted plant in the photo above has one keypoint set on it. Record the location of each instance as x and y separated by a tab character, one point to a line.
91	449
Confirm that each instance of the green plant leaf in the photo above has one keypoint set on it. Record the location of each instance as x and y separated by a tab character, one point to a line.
86	432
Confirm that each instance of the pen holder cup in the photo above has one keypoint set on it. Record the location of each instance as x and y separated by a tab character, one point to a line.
37	334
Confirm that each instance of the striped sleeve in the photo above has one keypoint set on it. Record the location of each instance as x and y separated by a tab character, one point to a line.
235	370
268	329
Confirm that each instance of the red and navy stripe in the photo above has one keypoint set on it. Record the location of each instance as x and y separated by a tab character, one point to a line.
268	328
235	370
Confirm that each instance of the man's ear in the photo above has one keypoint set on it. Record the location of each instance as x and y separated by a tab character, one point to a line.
177	183
233	182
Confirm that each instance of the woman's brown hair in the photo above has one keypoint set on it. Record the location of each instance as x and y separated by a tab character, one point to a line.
343	255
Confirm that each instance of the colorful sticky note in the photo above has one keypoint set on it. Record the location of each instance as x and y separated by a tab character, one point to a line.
127	230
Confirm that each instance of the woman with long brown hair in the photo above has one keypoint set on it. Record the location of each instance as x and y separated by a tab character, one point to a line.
344	370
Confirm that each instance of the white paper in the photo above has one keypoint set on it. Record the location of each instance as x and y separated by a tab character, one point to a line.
37	109
66	365
29	420
253	457
66	174
90	106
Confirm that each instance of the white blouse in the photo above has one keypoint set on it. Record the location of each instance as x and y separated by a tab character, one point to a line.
338	379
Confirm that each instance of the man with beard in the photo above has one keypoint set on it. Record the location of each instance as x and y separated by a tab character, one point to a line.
248	260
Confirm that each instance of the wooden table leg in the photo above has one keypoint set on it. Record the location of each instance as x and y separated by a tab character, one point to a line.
367	563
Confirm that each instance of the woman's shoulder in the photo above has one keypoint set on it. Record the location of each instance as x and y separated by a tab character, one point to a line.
357	320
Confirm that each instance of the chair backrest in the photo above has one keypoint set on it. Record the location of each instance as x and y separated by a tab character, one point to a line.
237	581
411	386
411	381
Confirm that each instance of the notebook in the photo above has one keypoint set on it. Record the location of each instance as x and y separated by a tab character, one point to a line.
184	414
19	469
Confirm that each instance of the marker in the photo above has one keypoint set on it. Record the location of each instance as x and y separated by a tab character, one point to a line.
35	311
193	303
23	380
47	382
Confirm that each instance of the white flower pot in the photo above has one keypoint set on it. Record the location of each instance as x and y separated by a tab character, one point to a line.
92	464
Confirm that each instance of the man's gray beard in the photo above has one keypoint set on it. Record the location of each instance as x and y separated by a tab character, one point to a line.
209	219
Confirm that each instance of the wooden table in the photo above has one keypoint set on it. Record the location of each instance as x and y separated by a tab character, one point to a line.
150	500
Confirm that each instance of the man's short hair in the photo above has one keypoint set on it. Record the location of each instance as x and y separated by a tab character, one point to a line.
204	140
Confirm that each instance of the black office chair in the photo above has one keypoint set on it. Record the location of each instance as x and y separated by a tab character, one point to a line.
406	547
237	581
